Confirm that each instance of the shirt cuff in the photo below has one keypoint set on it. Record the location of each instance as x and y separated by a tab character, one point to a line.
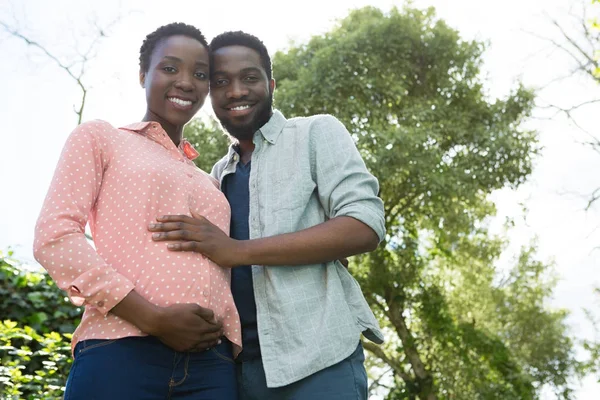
373	218
100	289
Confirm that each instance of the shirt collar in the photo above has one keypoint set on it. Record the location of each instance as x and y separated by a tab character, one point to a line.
273	127
270	131
146	127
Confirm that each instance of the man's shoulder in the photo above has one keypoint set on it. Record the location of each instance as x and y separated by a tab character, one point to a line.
315	125
312	120
219	166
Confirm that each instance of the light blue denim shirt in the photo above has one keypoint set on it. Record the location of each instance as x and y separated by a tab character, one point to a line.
304	172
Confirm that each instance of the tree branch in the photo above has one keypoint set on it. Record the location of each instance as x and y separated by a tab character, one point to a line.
590	58
85	58
393	363
377	382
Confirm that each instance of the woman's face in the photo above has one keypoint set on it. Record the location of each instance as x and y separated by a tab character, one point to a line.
176	82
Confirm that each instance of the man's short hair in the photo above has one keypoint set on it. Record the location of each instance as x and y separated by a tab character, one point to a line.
239	38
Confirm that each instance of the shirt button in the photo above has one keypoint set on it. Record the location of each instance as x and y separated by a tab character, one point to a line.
235	157
100	304
205	293
190	175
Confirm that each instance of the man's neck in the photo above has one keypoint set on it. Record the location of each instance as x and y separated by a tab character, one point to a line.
246	149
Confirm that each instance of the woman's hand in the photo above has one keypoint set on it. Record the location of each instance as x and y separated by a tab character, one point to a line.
182	327
186	327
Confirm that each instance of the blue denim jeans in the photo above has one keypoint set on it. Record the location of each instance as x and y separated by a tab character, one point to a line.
144	368
346	380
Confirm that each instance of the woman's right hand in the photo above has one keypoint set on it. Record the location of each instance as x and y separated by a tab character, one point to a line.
182	327
186	327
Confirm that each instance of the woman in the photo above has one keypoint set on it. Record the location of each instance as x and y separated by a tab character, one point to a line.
156	324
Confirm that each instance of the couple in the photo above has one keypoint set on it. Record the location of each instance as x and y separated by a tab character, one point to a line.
175	308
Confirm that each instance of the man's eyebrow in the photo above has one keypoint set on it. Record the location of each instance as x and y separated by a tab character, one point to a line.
242	71
251	69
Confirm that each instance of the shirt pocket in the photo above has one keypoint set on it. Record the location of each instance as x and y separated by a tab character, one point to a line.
288	190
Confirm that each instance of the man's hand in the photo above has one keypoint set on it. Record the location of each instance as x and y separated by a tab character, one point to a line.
186	327
199	235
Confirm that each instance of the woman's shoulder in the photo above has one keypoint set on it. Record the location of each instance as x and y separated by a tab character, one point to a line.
96	127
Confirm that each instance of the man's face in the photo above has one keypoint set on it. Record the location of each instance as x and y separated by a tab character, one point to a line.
240	91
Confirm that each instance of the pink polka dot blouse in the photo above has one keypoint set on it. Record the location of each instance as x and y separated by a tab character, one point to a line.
120	180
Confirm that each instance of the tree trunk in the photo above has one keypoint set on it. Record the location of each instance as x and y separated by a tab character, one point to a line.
422	375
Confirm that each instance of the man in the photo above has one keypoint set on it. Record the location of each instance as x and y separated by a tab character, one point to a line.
301	197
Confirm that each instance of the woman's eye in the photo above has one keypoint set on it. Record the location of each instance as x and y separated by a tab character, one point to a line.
169	69
201	75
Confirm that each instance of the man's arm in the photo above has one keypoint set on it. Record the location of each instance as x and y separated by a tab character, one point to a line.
346	190
335	239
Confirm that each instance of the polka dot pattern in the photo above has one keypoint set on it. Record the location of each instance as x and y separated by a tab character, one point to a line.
120	180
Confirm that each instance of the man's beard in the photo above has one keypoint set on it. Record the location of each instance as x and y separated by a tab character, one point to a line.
246	132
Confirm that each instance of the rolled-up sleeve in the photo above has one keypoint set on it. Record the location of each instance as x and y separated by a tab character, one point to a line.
60	244
345	186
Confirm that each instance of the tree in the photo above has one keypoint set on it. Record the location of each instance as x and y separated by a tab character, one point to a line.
74	67
578	38
409	90
209	139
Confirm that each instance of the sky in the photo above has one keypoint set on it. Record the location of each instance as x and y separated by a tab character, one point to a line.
36	106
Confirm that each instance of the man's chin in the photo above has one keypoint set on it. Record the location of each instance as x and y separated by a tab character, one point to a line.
239	131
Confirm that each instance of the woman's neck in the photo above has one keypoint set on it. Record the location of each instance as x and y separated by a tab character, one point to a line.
175	132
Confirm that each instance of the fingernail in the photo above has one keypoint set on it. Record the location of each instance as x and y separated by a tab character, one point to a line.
152	226
155	235
170	246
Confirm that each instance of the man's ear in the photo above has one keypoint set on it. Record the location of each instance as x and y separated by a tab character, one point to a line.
272	85
143	79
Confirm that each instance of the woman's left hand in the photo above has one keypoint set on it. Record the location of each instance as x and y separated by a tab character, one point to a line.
196	234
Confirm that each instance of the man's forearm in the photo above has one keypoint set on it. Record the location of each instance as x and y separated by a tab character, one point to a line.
332	240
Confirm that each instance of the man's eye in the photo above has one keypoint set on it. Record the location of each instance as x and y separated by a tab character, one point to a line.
201	75
251	78
220	82
169	69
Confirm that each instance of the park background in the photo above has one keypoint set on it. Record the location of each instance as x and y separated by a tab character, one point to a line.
478	117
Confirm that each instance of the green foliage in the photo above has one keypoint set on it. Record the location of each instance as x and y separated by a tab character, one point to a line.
210	141
592	345
32	298
35	334
410	91
34	366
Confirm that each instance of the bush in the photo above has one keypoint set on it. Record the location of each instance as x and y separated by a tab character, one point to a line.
35	333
